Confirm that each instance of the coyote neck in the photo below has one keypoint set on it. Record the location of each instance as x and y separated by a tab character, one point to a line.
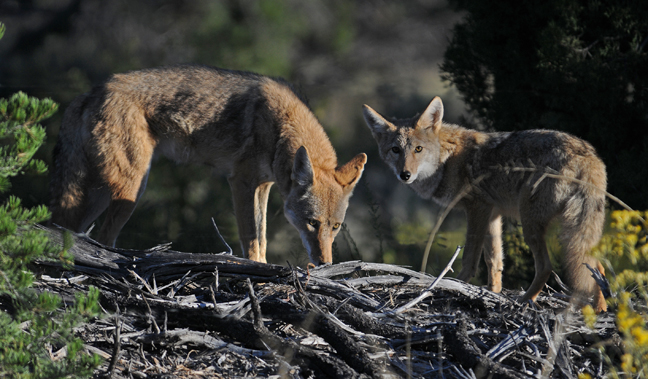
296	127
457	151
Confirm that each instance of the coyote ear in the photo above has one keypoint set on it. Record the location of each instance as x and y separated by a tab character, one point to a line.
349	174
302	172
432	116
375	121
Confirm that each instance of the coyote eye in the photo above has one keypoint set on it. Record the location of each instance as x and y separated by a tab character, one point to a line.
336	226
418	149
313	223
395	149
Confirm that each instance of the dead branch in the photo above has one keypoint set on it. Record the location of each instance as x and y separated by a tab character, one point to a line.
179	319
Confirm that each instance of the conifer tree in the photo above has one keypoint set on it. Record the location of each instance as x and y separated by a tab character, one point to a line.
572	65
32	325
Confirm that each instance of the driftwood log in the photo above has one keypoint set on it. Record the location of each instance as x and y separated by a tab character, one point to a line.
170	314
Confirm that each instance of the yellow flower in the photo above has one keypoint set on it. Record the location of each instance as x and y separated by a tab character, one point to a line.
640	335
626	363
589	315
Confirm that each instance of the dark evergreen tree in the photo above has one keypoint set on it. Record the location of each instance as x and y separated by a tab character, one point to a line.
572	65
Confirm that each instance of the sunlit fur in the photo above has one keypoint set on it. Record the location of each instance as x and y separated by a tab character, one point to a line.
250	126
504	172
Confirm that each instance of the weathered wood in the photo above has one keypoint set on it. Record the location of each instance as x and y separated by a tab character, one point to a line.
467	352
428	291
202	313
166	264
184	336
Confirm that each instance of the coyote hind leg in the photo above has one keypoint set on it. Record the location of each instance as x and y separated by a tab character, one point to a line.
534	228
122	204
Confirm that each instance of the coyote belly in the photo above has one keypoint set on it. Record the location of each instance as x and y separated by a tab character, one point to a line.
507	176
255	128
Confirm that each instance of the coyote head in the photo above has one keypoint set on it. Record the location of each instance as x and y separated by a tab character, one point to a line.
318	200
410	147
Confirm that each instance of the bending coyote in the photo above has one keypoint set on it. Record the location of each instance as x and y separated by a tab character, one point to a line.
437	160
255	128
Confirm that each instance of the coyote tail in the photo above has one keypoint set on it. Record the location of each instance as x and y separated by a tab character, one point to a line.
582	226
70	166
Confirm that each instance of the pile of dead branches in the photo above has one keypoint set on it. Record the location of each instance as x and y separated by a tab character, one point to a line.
170	314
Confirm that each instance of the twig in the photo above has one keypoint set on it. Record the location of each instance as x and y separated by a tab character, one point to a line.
353	248
464	191
428	291
229	249
148	287
547	172
216	278
185	279
116	346
602	282
184	336
256	309
150	315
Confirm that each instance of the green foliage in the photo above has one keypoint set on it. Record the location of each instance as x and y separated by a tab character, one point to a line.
571	65
257	36
39	327
262	36
519	267
21	135
32	326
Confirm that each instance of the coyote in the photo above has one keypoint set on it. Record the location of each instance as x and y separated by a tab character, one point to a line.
532	175
255	128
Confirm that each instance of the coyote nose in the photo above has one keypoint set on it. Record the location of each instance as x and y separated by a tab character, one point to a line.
405	175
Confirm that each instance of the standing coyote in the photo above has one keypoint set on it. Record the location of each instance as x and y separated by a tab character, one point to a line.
255	128
508	176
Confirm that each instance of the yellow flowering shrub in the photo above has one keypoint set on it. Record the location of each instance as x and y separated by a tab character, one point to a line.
632	326
625	248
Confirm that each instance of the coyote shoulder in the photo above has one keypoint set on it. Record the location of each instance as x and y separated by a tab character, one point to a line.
507	176
255	128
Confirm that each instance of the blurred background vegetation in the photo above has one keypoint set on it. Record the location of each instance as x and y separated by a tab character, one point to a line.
577	66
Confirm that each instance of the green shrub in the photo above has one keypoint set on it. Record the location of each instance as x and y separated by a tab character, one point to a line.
33	326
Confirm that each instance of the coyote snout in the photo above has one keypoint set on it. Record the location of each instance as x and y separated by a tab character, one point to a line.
257	129
437	160
317	203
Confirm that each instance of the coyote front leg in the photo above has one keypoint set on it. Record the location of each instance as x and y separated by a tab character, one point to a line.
478	223
250	204
493	254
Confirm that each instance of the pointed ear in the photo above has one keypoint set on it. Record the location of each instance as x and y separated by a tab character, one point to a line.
432	117
375	121
349	174
302	172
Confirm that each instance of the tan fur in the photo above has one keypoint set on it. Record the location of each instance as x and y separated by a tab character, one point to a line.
255	128
506	171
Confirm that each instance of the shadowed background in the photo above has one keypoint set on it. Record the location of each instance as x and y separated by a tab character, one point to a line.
560	64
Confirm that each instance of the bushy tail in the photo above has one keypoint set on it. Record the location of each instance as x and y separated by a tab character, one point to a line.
582	225
70	168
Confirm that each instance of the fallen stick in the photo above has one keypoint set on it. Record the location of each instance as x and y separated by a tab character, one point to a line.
428	291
